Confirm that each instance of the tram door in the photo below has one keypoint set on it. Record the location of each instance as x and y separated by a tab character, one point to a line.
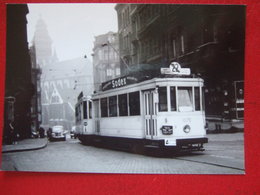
96	116
150	113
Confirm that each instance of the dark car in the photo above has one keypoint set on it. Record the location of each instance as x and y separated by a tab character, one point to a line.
58	133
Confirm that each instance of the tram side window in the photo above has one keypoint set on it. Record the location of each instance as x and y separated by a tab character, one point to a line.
90	109
134	103
122	103
85	111
185	99
112	106
80	108
197	98
173	98
77	114
162	99
96	108
104	112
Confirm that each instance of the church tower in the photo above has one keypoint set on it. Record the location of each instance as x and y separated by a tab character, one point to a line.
43	44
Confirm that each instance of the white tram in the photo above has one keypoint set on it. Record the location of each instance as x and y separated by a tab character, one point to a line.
166	112
83	114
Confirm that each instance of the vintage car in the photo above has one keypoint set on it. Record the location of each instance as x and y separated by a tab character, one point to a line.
57	133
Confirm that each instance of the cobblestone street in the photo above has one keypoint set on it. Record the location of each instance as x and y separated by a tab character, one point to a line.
224	155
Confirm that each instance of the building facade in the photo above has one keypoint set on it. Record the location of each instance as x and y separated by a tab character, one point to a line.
105	58
18	86
209	39
36	108
60	88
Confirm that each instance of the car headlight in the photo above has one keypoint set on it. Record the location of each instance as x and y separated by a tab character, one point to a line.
186	128
167	130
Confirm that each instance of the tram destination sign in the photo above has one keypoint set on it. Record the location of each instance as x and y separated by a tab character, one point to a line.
175	69
119	82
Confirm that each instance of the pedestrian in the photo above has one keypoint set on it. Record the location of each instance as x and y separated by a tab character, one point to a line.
13	137
49	132
10	132
41	132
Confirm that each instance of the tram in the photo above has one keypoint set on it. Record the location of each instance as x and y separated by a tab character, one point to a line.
83	114
166	112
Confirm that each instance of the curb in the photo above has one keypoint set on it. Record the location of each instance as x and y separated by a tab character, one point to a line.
231	130
26	149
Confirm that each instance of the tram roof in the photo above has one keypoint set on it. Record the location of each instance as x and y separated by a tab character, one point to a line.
131	83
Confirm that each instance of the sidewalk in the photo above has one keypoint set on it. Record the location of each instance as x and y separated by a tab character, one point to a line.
218	125
26	145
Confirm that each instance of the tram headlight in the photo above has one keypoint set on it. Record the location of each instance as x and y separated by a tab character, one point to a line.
167	130
186	128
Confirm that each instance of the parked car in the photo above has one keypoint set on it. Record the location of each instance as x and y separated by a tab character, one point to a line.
73	132
58	132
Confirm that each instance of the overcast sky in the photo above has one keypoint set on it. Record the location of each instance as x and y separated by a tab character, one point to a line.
72	27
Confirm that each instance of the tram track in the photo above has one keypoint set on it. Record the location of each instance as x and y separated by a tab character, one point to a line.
208	163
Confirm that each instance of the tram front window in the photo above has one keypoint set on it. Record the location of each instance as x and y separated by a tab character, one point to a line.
197	98
162	99
185	99
85	116
173	98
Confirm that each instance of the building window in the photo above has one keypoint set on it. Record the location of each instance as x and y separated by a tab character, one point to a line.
109	72
182	44
208	32
104	112
117	71
174	48
134	103
122	103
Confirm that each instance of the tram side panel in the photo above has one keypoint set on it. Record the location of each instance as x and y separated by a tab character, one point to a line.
121	126
130	127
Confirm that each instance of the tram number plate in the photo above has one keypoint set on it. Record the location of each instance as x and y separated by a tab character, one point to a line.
170	142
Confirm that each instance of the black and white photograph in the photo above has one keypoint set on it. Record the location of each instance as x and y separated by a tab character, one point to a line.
124	88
